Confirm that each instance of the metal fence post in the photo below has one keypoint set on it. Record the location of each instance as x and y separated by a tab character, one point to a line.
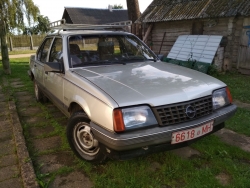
31	42
11	45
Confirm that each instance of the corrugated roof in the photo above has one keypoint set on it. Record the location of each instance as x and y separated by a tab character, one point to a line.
170	10
95	16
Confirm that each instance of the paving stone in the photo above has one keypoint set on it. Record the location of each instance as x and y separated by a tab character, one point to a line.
15	79
63	121
26	104
8	160
52	109
14	83
3	111
5	125
30	111
3	99
52	162
74	179
7	147
2	95
57	114
44	144
5	81
241	104
154	166
26	98
17	86
186	152
8	172
235	139
12	183
4	118
39	131
223	178
6	136
4	104
21	93
33	120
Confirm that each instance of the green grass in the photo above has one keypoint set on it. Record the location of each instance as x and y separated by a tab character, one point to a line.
157	170
22	52
240	122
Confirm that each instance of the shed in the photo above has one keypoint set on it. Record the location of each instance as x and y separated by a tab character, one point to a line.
165	20
77	15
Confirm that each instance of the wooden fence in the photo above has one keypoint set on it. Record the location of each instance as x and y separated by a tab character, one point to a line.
22	42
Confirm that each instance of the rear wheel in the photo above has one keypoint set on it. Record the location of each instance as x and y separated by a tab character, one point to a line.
40	97
82	140
38	92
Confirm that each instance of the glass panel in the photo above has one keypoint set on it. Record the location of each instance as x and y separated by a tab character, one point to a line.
56	51
106	49
43	52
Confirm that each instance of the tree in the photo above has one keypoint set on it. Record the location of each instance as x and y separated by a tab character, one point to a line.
133	15
12	17
40	28
115	6
133	10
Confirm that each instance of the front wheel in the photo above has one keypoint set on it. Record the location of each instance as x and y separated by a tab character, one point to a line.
82	141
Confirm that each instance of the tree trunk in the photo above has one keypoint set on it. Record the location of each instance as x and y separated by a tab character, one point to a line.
133	10
4	49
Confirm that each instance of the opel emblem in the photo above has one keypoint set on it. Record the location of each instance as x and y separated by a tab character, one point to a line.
190	111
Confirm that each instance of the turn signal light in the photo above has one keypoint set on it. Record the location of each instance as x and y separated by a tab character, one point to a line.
118	121
229	95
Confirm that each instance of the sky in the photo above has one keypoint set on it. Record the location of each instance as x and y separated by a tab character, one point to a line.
54	8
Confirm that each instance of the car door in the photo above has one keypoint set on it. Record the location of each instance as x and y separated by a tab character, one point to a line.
54	82
42	55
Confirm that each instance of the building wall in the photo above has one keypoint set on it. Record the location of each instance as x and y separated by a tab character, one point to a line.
171	30
243	63
231	28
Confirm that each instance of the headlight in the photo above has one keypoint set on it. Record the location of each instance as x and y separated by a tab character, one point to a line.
131	118
221	97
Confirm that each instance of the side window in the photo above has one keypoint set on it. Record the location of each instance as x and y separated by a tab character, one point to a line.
43	51
56	51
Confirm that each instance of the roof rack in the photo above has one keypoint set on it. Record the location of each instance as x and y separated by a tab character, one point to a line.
62	25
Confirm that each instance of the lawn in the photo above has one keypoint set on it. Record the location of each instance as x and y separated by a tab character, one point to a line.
22	52
216	161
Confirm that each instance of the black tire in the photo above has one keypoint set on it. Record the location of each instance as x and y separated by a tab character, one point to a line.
82	140
38	92
40	97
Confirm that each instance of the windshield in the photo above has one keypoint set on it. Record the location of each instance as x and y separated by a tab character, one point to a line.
106	49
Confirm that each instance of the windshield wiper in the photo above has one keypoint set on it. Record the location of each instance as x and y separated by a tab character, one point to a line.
155	59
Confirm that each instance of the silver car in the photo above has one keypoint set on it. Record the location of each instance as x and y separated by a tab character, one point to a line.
121	100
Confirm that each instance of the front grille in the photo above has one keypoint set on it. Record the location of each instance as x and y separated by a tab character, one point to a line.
176	113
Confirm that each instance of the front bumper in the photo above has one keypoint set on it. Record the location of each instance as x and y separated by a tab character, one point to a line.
144	138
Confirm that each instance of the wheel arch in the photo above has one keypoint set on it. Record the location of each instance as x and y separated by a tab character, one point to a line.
31	75
75	106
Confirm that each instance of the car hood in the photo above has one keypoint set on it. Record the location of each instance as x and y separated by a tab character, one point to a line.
154	83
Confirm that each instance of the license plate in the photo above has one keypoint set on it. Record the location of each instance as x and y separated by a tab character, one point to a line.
189	134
